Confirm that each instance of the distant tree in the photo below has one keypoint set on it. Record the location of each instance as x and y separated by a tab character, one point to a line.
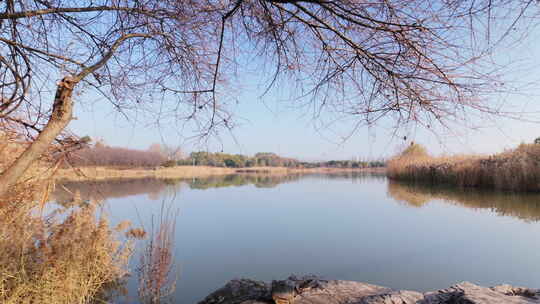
156	148
101	155
100	143
537	140
250	162
231	163
173	153
169	163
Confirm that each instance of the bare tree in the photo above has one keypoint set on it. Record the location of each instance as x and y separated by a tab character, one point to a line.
116	156
408	59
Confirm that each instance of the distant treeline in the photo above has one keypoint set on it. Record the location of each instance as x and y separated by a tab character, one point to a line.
264	159
102	155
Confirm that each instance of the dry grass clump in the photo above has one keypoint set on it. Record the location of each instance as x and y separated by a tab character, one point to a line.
69	256
516	170
136	233
157	276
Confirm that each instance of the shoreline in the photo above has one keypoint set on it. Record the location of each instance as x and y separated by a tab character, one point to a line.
312	289
104	173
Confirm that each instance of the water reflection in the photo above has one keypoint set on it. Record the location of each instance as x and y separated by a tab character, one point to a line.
524	206
66	192
342	226
258	180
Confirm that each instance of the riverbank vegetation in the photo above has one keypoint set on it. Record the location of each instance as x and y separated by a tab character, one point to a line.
515	170
267	159
51	253
102	155
66	256
99	161
178	172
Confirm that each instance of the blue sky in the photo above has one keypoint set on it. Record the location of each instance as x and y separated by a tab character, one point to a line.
271	124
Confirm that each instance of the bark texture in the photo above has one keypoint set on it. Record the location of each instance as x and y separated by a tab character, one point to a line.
61	115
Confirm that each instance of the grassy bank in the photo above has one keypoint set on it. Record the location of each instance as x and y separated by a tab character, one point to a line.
104	173
515	170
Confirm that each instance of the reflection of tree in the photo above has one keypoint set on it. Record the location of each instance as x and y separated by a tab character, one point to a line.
525	206
273	180
65	192
259	180
354	176
99	190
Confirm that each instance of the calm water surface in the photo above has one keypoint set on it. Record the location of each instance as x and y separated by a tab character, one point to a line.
346	226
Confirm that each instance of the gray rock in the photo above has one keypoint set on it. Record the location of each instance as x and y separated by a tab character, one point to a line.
312	290
284	291
468	293
240	291
395	297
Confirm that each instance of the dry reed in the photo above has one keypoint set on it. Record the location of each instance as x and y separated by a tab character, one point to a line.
157	276
54	255
68	256
515	170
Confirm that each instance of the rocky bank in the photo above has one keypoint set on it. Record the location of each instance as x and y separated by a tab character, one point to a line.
313	290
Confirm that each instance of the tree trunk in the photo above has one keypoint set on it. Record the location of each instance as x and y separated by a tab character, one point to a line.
60	118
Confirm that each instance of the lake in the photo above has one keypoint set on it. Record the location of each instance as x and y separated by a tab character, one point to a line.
349	226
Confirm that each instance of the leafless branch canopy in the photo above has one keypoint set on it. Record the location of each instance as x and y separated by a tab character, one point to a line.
415	61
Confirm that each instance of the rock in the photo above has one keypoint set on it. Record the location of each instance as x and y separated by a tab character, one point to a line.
284	292
468	293
240	291
313	290
401	297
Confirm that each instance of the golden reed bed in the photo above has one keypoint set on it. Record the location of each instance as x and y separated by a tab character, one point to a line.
515	170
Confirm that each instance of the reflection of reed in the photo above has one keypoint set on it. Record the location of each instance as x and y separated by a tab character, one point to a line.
157	276
525	206
405	194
